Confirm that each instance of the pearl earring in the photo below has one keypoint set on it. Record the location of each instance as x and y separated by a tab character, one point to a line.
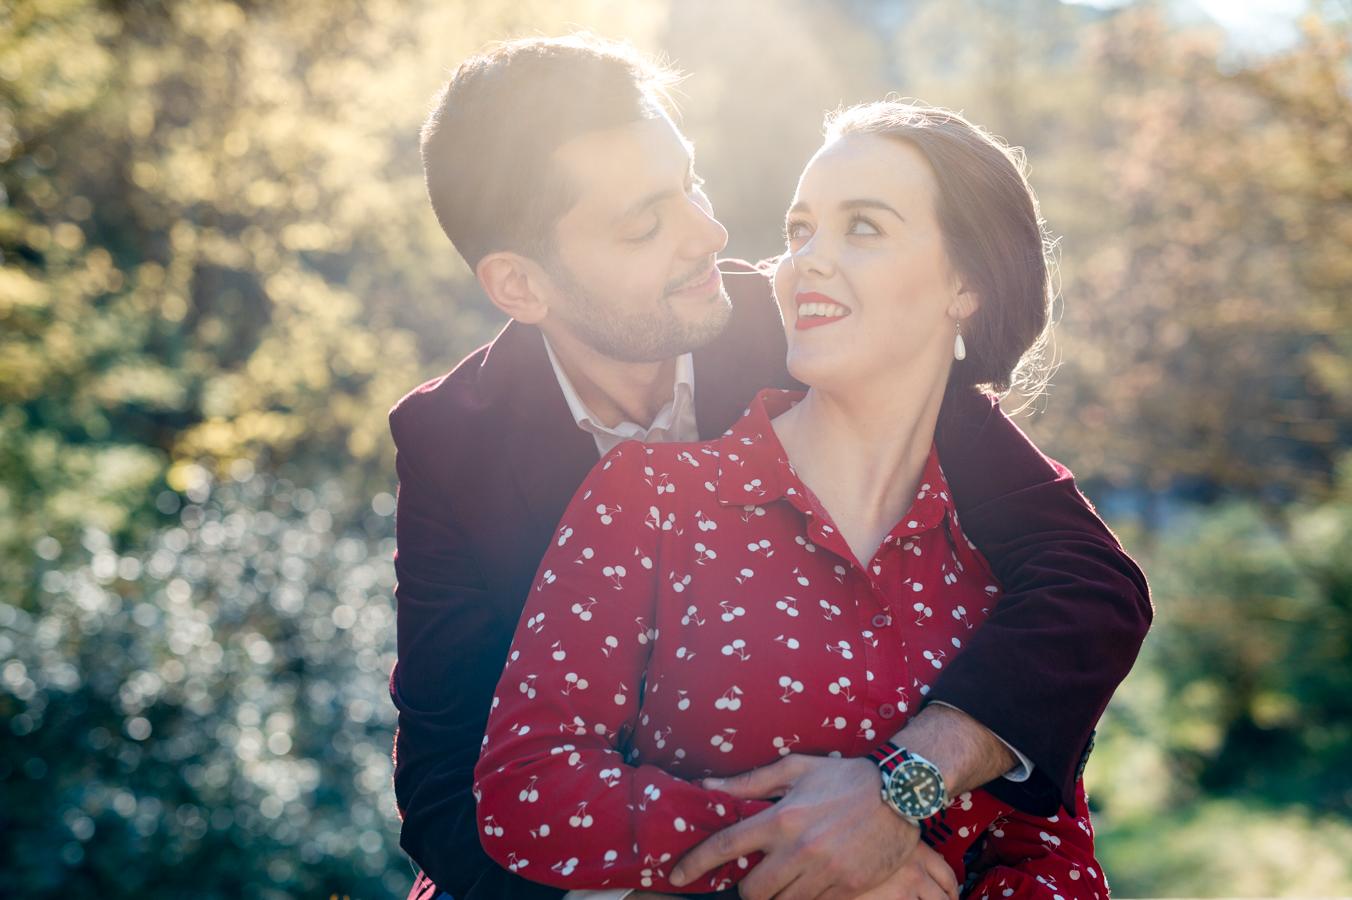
959	348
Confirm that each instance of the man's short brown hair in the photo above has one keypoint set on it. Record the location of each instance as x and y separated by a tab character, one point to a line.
488	144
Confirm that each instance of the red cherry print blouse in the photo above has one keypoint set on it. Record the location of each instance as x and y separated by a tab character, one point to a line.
699	615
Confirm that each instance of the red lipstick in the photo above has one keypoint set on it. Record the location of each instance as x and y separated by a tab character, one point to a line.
802	323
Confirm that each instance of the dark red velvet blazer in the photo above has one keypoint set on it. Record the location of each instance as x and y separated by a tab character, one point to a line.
489	457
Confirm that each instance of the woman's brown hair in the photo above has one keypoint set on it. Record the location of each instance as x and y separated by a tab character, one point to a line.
992	231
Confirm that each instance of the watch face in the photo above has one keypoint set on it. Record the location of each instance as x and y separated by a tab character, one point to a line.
917	789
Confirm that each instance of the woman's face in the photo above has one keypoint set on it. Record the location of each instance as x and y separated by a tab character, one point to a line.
866	288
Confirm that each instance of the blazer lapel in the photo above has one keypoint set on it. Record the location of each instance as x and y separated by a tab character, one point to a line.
548	454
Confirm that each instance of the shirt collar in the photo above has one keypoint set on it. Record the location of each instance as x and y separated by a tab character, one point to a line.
683	394
755	470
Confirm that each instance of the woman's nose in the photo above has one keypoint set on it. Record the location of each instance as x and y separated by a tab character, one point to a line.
810	259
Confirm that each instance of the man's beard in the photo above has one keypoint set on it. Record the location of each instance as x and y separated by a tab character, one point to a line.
639	337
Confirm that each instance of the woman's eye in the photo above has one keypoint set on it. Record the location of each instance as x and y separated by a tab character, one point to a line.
795	231
863	226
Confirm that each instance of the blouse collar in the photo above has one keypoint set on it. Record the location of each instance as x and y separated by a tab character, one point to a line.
754	470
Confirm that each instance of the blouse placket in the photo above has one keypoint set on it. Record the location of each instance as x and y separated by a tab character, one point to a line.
764	467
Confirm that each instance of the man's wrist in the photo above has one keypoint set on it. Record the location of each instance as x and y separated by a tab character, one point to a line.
1021	770
965	751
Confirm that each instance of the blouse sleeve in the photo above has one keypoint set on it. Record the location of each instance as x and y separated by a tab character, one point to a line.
1028	857
557	800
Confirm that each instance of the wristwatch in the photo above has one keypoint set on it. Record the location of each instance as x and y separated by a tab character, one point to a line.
914	787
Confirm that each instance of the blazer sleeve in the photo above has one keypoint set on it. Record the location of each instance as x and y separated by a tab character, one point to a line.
1040	671
451	648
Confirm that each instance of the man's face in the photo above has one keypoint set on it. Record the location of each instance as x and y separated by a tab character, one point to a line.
633	275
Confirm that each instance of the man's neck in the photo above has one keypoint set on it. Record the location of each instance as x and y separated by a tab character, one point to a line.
614	391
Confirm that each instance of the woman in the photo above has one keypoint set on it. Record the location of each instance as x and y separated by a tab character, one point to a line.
796	585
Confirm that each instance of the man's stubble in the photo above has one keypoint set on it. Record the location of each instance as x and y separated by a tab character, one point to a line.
639	337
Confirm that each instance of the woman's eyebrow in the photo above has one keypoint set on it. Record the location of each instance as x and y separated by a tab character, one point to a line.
871	203
849	205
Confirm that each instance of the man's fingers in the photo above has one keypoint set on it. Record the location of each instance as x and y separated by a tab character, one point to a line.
741	839
911	882
930	890
780	876
769	886
765	783
940	871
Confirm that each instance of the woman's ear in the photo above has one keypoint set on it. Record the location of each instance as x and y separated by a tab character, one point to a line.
966	302
514	285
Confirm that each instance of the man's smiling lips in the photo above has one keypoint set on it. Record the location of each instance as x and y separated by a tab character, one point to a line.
817	309
706	284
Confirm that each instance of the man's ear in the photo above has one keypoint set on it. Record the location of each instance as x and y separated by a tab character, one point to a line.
514	284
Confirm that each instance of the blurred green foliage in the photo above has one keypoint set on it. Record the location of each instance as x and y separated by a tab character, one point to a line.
1244	692
208	713
219	270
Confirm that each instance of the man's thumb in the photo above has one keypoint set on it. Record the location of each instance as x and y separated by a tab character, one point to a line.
766	783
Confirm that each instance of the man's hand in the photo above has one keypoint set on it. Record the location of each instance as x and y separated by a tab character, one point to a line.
924	876
830	837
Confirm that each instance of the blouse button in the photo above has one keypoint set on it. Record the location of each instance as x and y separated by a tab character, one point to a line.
879	621
887	710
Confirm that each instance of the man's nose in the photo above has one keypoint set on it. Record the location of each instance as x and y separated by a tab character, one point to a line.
707	234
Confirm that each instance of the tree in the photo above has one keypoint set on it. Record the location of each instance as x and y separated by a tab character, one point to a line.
1204	335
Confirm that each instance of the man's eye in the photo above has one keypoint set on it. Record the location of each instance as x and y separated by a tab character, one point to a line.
649	234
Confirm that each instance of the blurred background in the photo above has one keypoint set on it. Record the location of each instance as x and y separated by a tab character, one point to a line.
220	270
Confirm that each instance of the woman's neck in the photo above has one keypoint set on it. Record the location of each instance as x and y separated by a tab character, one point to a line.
862	453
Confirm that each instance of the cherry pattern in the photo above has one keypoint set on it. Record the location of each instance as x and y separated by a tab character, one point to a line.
739	628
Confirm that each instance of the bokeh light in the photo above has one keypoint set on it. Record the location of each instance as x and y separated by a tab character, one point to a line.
218	270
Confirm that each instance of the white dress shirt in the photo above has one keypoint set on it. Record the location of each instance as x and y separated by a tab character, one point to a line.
674	423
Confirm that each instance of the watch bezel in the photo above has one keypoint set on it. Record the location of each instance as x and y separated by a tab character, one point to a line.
896	781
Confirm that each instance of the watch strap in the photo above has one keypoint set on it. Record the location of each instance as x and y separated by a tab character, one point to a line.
934	830
889	756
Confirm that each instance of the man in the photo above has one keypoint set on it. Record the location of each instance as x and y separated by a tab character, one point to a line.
556	173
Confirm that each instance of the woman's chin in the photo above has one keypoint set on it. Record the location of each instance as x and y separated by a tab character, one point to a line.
816	369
